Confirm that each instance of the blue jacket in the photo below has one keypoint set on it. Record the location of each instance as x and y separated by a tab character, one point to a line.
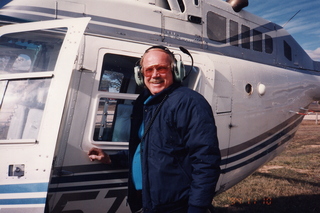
180	155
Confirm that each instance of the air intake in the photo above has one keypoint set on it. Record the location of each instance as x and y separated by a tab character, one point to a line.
238	5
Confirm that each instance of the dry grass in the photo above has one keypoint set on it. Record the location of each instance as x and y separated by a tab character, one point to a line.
289	183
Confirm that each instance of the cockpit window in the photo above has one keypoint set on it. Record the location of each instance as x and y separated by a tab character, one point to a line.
34	51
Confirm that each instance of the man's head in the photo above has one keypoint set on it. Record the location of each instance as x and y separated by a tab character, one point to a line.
157	68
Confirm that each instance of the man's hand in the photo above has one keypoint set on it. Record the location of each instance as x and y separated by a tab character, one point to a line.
98	154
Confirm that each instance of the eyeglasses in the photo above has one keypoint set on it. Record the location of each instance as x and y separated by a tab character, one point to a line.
161	69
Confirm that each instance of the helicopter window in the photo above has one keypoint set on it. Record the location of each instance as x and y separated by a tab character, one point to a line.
181	5
245	37
257	40
22	105
234	34
287	51
112	121
32	51
268	44
22	100
117	74
216	27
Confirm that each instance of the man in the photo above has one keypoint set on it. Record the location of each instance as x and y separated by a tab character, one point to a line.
174	156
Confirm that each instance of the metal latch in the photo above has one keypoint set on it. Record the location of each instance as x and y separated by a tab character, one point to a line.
16	170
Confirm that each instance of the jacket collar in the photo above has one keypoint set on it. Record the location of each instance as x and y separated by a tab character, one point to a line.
157	98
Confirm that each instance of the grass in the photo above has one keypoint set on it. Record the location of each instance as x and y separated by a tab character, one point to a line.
288	183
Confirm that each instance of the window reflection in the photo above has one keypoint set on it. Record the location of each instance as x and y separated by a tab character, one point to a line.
22	63
32	51
117	74
22	107
111	81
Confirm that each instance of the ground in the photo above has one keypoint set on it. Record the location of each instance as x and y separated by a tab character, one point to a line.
289	183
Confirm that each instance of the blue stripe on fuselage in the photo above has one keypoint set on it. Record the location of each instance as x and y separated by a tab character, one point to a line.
23	188
22	201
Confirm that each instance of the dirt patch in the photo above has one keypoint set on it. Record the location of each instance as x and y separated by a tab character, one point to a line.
315	146
266	168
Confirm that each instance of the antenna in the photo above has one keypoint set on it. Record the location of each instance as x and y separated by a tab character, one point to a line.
290	19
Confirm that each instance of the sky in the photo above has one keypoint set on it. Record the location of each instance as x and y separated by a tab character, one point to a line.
304	27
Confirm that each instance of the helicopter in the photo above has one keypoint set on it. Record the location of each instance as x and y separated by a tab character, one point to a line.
67	84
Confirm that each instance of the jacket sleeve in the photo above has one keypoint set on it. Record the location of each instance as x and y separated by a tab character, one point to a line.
120	160
200	136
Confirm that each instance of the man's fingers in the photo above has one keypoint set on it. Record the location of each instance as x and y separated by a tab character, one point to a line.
94	157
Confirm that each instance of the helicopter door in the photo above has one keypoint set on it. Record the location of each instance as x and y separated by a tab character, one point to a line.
36	64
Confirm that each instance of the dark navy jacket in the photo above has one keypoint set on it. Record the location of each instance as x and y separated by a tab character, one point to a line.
180	156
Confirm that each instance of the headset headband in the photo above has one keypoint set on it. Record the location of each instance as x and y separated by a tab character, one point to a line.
159	47
165	49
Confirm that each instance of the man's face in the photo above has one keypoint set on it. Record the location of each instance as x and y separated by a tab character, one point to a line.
156	69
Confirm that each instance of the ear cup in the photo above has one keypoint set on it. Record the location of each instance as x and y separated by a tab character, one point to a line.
138	76
179	71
